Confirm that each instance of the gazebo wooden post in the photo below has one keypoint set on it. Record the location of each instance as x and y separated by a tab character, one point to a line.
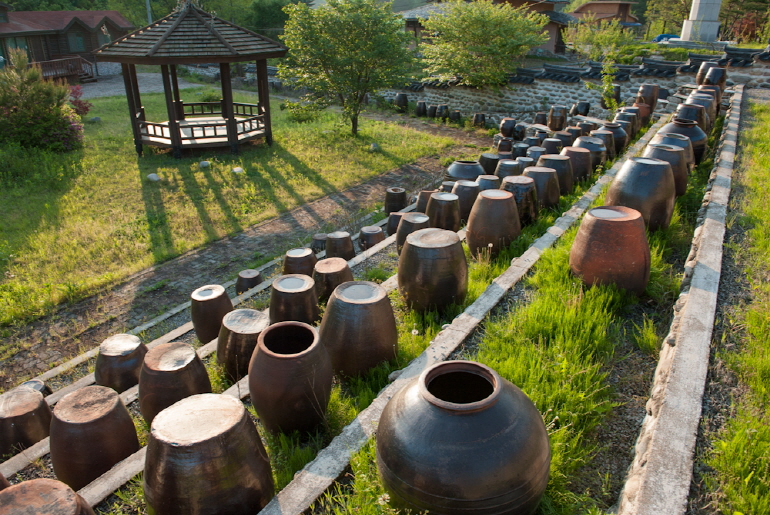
263	90
173	125
132	107
135	89
177	97
227	107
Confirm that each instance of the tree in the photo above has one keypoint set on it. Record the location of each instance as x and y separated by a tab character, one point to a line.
667	16
346	49
267	17
480	41
599	41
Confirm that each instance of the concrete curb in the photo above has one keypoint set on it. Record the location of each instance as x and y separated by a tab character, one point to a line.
659	478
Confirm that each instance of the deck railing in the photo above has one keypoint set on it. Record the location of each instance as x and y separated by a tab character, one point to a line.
66	67
154	130
202	108
253	123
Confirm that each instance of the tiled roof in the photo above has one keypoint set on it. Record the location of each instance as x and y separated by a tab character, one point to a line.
560	18
28	22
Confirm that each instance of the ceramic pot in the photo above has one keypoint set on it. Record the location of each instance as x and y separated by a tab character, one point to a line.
359	328
519	131
575	132
369	236
395	199
583	108
294	297
401	102
525	195
25	419
37	385
507	167
318	244
432	270
708	102
209	304
204	456
412	222
646	185
340	244
170	372
446	186
688	128
431	111
536	152
541	119
466	192
649	95
541	135
249	278
552	145
489	182
615	96
565	137
444	211
619	136
695	113
674	156
502	156
678	140
713	90
645	113
290	378
611	248
609	142
442	111
479	120
716	76
455	116
557	117
532	141
635	124
238	339
546	184
563	167
119	362
504	144
596	147
580	159
43	497
625	125
493	223
488	162
525	162
330	273
395	218
461	439
91	430
700	77
421	109
299	261
469	170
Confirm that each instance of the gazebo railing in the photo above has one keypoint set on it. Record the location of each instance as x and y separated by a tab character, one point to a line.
154	130
253	123
247	109
202	108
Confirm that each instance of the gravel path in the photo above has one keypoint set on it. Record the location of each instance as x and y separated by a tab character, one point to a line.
112	85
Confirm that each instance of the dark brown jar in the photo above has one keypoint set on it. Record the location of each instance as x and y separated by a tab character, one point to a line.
504	144
552	145
493	223
535	152
532	141
330	273
421	109
674	156
525	195
340	244
469	170
119	362
466	192
395	199
587	127
645	113
689	128
619	136
446	186
319	242
646	185
249	278
238	339
444	211
546	184
299	261
541	119
563	168
694	112
422	202
208	306
25	419
368	237
395	218
580	158
461	439
567	137
574	131
671	138
557	117
488	162
708	102
583	108
700	77
609	142
633	124
520	131
42	497
611	248
713	90
507	167
597	148
294	297
489	182
412	222
648	93
506	127
716	76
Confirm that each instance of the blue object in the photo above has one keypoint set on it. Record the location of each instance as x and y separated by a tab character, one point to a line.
660	38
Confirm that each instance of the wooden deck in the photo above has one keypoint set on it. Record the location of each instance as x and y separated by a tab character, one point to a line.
202	131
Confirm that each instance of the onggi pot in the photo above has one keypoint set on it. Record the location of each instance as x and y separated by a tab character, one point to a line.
507	167
412	222
43	497
580	158
209	304
646	185
466	192
444	211
674	156
670	138
299	261
689	128
546	184
119	362
609	141
649	94
597	148
700	77
506	127
395	199
467	170
493	223
619	136
525	195
563	168
25	419
294	297
238	339
488	162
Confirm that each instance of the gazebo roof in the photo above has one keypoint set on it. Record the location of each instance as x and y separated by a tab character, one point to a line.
190	36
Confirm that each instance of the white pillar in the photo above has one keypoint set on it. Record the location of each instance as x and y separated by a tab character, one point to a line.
703	23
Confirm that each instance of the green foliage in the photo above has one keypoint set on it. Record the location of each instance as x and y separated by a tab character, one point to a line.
268	17
344	50
607	86
303	111
480	41
211	95
599	40
667	16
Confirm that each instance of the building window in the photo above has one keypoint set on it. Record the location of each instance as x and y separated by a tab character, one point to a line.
3	17
76	42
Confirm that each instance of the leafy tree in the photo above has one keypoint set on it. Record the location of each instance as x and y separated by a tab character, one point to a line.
346	49
268	17
667	16
744	20
480	41
599	41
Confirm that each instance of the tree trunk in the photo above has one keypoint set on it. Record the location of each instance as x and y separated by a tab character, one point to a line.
354	124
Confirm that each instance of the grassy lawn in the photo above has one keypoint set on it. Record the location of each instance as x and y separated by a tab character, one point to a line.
75	223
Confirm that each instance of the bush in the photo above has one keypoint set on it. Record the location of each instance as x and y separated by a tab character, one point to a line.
81	107
303	111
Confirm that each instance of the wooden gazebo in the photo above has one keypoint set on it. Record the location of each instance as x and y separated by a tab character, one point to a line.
193	36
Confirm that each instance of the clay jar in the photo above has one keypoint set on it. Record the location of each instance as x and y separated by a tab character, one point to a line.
489	182
171	372
3	483
645	113
395	218
583	108
566	137
700	77
461	439
432	270
678	140
649	94
580	158
708	102
294	297
25	419
596	147
369	236
466	192
532	141
506	168
249	278
422	201
359	328
611	248
488	162
575	132
447	186
91	430
609	142
119	362
646	185
340	244
493	223
716	76
713	90
619	136
204	456
563	168
694	112
290	378
519	131
318	244
674	156
208	306
299	261
444	211
689	128
557	117
535	152
525	195
504	144
395	199
546	184
412	222
467	170
506	126
552	145
587	127
238	339
43	497
633	124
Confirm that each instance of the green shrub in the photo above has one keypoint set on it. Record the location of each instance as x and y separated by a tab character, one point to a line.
303	111
211	96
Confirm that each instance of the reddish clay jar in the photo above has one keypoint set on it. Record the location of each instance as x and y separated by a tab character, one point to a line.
412	222
611	248
646	185
596	147
716	76
91	431
299	261
290	378
619	136
119	362
358	329
340	244
395	218
674	156
546	184
525	195
678	140
563	167
204	456
369	236
247	279
506	126
580	159
171	372
552	145
689	128
294	297
328	274
238	339
25	419
43	497
461	439
466	192
700	77
493	223
645	113
504	144
395	199
208	306
432	270
318	244
444	211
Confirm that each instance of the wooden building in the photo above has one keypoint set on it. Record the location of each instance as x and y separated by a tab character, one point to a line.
607	10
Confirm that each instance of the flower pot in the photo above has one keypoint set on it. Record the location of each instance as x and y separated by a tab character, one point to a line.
25	419
466	192
507	167
340	244
695	113
359	328
536	152
506	127
444	211
645	113
609	142
525	195
461	439
299	261
546	184
238	339
689	128
700	77
678	140
204	456
580	159
401	102
290	378
674	156
432	270
716	76
563	167
395	199
43	497
646	185
91	431
170	372
318	243
493	223
330	273
395	218
293	297
209	304
421	109
249	278
552	145
648	93
469	170
611	248
488	162
369	236
119	362
489	182
619	136
596	147
412	222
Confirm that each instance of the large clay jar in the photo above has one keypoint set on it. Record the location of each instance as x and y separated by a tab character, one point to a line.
646	185
489	182
395	218
506	126
587	127
412	222
519	150
488	162
422	201
525	195
535	152
674	156
444	211
566	137
678	140
563	168
432	270
401	102
290	378
597	148
583	108
580	158
330	273
645	113
611	248
368	237
541	119
299	261
447	186
91	430
713	90
209	304
204	456
689	128
466	192
520	131
552	145
546	184
504	144
461	439
634	124
708	102
609	142
700	77
493	224
395	199
359	328
467	170
716	76
507	167
25	419
637	113
532	141
557	117
249	278
649	94
318	243
575	132
43	497
619	136
238	339
421	109
294	297
694	112
119	362
171	372
340	244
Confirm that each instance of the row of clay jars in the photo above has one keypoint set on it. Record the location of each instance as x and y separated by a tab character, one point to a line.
646	185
